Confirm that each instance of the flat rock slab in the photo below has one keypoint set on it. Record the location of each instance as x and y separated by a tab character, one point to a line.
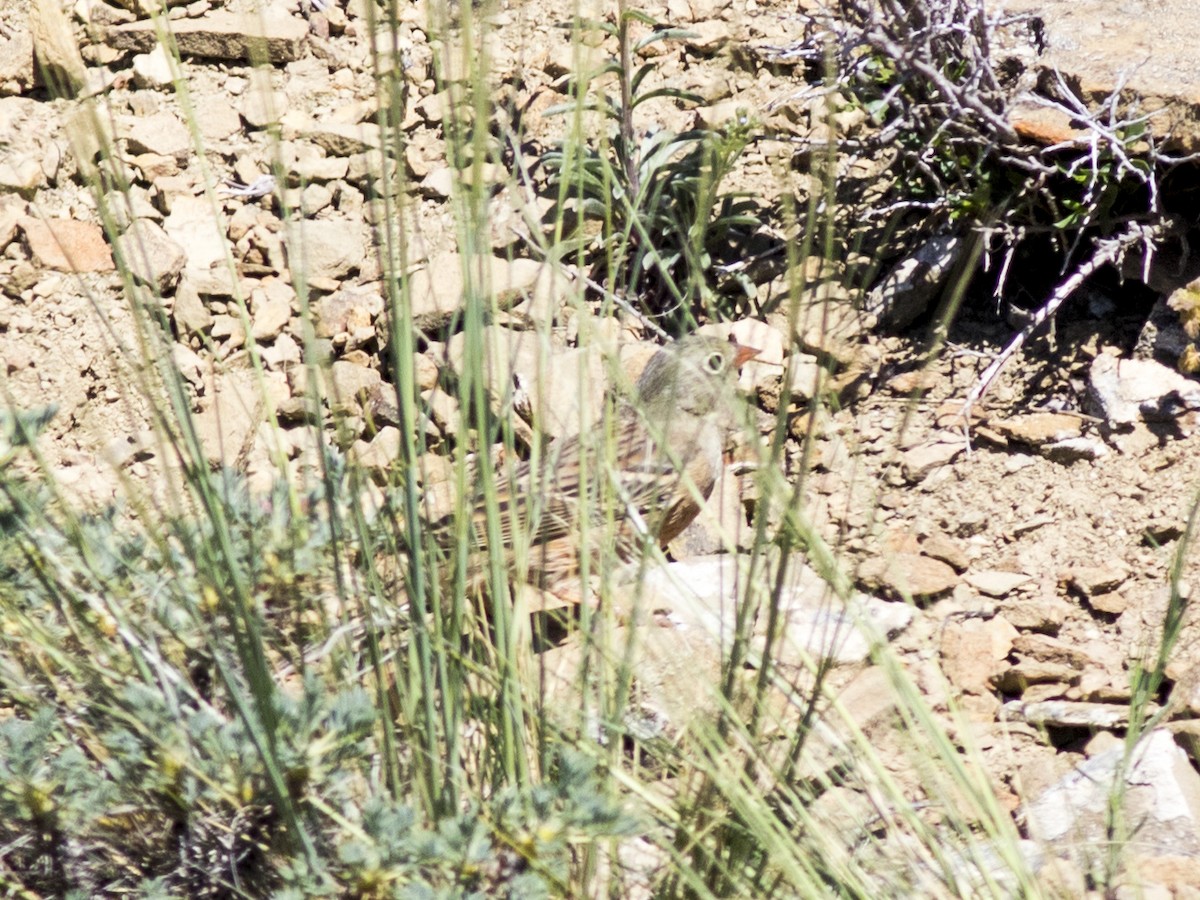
1147	48
702	595
274	36
67	245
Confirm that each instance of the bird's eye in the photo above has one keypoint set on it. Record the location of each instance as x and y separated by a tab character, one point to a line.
715	362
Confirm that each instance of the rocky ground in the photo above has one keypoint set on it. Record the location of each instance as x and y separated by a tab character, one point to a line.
1037	543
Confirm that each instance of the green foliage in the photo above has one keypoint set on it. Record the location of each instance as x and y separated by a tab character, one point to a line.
133	756
665	220
935	96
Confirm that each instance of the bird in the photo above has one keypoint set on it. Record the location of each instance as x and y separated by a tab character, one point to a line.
639	481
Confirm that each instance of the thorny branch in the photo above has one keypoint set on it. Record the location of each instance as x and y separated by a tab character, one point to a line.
926	72
1106	252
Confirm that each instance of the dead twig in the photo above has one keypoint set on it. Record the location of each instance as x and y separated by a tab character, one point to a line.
1107	251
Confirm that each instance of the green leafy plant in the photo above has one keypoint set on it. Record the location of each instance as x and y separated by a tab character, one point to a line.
665	220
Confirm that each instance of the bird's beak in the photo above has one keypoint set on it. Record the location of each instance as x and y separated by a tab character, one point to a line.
743	354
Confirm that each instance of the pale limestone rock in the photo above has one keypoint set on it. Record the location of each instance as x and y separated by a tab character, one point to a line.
378	454
189	312
541	382
325	248
223	35
1161	793
1125	391
974	652
152	255
270	309
234	407
995	583
17	72
191	224
59	60
153	69
347	382
920	462
701	595
162	133
437	290
907	575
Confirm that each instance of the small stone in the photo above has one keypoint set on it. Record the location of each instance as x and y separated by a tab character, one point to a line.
189	312
973	652
1016	679
443	410
270	309
343	138
347	383
971	523
378	455
1069	714
1040	428
907	575
995	583
1018	461
939	546
438	184
1043	614
55	47
919	462
190	224
153	257
438	289
1074	450
283	354
18	73
262	107
162	133
1049	649
153	166
325	248
21	175
1091	580
425	372
228	330
905	293
1112	603
232	410
1125	391
153	69
345	311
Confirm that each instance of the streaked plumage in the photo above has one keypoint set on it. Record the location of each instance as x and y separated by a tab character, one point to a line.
653	469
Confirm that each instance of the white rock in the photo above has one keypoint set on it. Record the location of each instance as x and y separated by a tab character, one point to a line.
270	309
1161	796
1125	391
191	224
153	256
326	248
152	69
704	593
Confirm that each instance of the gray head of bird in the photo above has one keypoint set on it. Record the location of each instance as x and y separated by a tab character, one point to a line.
696	375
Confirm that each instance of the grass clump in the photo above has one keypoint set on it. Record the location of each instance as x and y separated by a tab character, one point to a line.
665	221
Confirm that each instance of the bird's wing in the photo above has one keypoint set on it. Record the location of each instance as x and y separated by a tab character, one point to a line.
547	502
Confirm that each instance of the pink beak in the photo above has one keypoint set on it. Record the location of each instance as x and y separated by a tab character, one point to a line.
742	353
